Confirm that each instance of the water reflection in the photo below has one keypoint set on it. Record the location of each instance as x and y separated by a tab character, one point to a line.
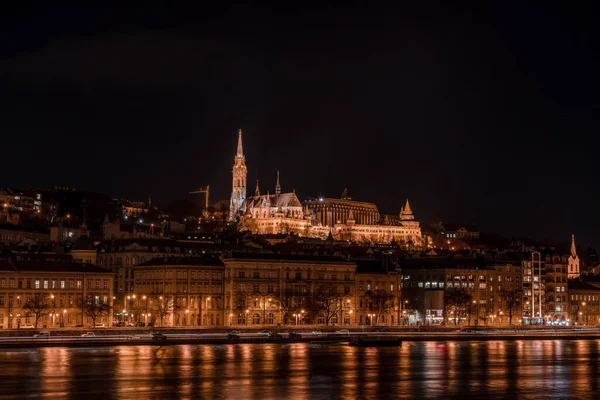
496	369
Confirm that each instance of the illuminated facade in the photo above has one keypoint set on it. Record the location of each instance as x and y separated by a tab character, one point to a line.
275	213
573	261
345	219
250	289
59	285
406	231
240	172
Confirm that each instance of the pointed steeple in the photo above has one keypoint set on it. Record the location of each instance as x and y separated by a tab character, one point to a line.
573	247
240	149
406	213
277	186
257	190
345	195
407	209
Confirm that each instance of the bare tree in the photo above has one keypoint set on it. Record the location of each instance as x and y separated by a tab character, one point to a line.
95	309
380	302
458	303
511	300
162	306
38	306
136	307
328	302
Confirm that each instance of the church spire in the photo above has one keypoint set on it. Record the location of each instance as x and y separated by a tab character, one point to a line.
240	150
345	195
277	186
406	209
406	213
257	190
240	172
573	247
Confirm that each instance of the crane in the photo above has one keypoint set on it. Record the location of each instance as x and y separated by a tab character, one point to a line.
206	191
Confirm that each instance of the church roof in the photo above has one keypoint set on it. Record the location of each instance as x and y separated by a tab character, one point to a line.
285	200
289	200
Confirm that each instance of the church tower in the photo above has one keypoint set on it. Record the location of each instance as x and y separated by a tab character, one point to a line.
406	213
573	268
238	192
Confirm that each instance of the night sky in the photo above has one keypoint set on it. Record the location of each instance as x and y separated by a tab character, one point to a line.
486	114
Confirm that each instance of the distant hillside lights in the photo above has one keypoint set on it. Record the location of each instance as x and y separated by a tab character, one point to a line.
343	219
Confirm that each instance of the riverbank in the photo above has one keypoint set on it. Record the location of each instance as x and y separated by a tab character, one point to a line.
176	337
289	328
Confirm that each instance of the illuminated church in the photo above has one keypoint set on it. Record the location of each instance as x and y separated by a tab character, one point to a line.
343	219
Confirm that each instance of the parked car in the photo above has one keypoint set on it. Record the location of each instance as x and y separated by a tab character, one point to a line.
42	334
382	329
233	336
275	335
343	332
88	334
295	335
317	332
78	326
99	325
264	333
27	326
158	336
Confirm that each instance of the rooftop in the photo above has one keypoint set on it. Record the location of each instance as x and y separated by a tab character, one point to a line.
579	285
180	260
10	265
369	266
287	258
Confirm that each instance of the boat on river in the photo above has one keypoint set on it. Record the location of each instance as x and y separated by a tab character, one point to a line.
375	340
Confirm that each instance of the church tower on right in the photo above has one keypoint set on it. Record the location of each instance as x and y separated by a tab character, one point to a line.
238	191
573	271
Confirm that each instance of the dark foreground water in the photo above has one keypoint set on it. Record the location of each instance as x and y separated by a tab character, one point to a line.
424	370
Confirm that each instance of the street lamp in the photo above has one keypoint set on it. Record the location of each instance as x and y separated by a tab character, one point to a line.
206	312
501	314
247	311
265	310
146	301
187	313
53	309
64	316
230	315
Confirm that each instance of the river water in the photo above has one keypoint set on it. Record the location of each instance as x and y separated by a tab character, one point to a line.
420	370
